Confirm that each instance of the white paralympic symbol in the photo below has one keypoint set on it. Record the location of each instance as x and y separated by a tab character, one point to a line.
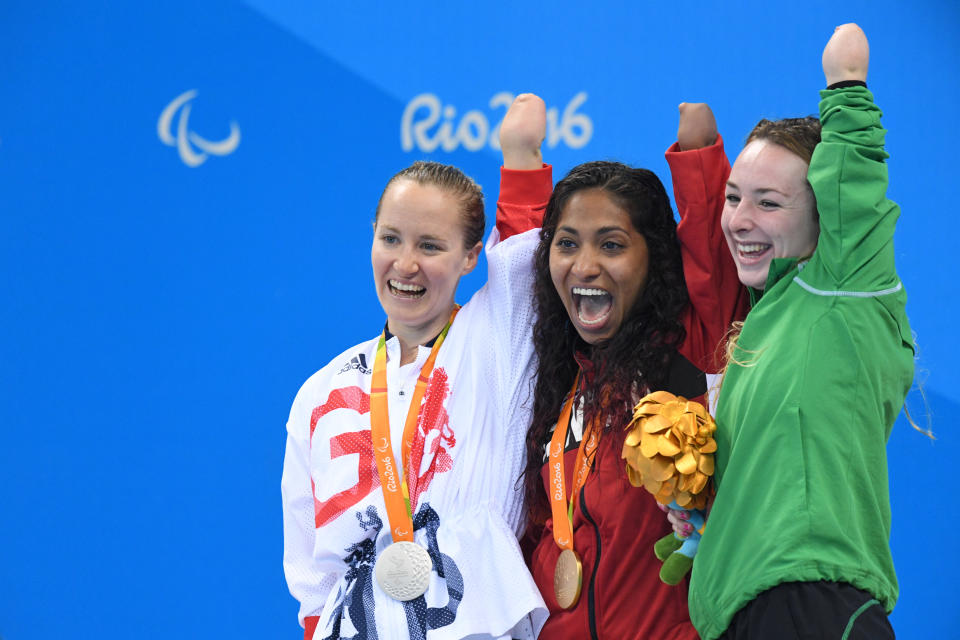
185	140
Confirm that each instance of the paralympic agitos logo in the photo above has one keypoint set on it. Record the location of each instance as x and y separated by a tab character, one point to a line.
193	148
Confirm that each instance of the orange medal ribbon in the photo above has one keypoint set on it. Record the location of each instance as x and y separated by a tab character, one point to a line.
559	508
396	493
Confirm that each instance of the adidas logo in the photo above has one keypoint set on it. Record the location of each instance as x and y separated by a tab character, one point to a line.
358	362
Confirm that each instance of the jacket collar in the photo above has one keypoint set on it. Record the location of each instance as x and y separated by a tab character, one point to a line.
588	369
779	267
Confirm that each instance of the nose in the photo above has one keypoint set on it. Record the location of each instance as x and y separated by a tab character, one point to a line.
586	265
406	262
740	217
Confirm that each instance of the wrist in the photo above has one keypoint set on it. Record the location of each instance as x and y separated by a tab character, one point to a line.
522	160
843	84
692	144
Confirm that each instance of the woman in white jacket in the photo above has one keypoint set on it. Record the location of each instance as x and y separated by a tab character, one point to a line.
401	510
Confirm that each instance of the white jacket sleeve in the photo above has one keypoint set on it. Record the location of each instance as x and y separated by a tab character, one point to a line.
307	583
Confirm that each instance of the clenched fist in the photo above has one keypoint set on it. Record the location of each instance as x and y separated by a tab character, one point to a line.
522	132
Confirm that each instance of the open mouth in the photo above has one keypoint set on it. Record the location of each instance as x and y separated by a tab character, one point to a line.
402	290
752	251
593	305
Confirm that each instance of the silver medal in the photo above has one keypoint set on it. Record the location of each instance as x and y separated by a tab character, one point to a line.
403	570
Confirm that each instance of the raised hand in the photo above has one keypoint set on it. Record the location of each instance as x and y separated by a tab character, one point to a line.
522	132
847	55
697	128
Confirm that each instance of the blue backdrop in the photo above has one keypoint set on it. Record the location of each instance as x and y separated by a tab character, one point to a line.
186	191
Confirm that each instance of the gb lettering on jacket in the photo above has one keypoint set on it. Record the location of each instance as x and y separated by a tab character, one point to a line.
343	463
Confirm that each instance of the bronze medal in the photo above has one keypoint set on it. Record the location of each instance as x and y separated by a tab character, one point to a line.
567	578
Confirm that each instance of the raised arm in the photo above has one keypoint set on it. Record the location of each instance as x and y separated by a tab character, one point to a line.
848	174
699	168
525	182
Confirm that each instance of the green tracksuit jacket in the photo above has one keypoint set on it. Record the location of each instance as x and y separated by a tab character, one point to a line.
801	467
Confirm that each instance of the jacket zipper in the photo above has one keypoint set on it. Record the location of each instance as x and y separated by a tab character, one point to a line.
591	592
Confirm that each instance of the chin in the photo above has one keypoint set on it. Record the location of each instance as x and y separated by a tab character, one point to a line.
754	279
595	338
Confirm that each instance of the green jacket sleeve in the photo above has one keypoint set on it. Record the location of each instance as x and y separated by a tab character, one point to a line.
848	174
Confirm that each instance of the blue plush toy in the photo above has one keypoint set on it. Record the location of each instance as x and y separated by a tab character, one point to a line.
677	553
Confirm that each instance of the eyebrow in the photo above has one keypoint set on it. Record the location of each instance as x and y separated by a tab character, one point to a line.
598	232
731	183
428	237
603	230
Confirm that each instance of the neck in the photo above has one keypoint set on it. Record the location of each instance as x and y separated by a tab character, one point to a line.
408	351
411	338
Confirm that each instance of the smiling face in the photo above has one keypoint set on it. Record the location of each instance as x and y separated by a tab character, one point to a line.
598	264
769	212
418	257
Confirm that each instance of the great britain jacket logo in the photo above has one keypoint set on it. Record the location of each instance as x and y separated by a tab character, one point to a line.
429	452
352	618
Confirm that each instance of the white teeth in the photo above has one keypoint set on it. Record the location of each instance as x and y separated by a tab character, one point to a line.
590	292
753	248
413	288
591	323
580	291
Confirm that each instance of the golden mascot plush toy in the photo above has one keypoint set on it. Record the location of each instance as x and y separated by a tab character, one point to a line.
669	451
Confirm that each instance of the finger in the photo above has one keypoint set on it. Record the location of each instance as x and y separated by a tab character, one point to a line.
674	518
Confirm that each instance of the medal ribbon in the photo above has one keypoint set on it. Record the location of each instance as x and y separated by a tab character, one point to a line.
561	510
396	493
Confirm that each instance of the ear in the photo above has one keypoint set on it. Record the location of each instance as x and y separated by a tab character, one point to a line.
471	260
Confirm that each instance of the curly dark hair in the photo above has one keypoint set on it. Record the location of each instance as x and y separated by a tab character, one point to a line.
638	356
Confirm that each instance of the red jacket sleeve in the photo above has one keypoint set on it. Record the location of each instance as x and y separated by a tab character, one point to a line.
523	199
717	297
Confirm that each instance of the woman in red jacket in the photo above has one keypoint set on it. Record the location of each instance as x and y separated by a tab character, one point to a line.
628	302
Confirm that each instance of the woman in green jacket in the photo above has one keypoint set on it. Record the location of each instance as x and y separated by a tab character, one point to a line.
797	541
